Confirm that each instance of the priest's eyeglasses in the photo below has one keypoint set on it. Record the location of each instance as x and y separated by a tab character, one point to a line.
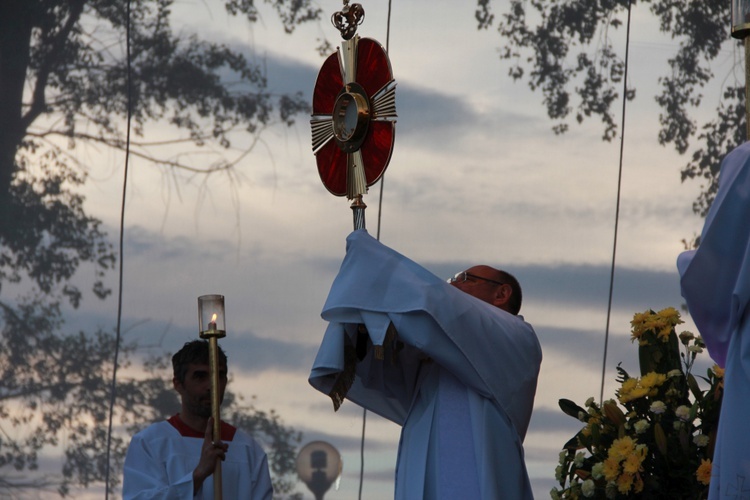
464	276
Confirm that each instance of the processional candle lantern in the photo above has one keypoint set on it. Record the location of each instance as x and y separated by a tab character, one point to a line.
211	326
354	111
741	30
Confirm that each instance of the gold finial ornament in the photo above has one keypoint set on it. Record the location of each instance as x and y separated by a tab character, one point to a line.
347	19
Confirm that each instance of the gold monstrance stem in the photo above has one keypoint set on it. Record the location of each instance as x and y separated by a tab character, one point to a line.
358	211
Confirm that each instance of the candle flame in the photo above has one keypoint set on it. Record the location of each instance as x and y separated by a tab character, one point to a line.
213	318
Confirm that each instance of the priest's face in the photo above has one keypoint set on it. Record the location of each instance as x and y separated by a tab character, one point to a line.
195	391
484	283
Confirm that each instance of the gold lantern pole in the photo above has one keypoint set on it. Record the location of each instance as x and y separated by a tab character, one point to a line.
741	31
212	306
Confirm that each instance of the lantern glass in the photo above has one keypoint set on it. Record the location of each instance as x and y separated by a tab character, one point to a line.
740	18
211	314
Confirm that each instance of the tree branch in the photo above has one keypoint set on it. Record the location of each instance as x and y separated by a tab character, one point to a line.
57	42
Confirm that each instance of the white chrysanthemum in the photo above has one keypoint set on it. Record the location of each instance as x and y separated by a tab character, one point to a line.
658	407
611	490
641	426
700	440
588	488
598	470
683	413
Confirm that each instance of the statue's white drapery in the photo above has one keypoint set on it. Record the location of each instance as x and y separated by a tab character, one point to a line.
715	282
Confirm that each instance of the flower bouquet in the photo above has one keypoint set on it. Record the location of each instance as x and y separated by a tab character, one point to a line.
656	439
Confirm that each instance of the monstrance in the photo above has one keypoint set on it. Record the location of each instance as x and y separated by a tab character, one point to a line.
353	113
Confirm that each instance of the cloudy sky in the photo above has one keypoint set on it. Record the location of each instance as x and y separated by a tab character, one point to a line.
477	176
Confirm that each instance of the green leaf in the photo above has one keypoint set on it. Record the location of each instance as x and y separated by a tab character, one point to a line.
573	443
596	435
660	438
694	388
572	409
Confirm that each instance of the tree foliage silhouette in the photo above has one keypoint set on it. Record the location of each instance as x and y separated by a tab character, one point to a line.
564	51
66	80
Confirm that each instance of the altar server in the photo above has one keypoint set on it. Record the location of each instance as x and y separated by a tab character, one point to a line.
175	459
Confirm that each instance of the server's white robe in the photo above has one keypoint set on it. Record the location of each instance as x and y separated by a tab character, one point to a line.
715	281
161	458
460	375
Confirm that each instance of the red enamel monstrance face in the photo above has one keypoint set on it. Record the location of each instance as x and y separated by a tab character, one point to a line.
353	121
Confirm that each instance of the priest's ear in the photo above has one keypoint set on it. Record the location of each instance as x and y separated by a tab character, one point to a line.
502	297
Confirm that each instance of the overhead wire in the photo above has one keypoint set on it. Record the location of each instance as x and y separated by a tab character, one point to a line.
113	389
377	236
617	204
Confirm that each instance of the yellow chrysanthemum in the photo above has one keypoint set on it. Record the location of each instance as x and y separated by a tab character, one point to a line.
611	469
704	472
621	448
660	324
636	393
627	387
670	314
632	463
629	384
653	379
640	318
664	332
624	483
638	486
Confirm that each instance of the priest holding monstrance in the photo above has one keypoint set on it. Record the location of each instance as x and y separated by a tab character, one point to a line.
453	363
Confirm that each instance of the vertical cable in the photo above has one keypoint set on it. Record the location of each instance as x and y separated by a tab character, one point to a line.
362	452
377	236
128	92
617	209
382	179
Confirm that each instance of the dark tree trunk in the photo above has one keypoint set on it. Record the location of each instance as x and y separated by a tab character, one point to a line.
16	21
